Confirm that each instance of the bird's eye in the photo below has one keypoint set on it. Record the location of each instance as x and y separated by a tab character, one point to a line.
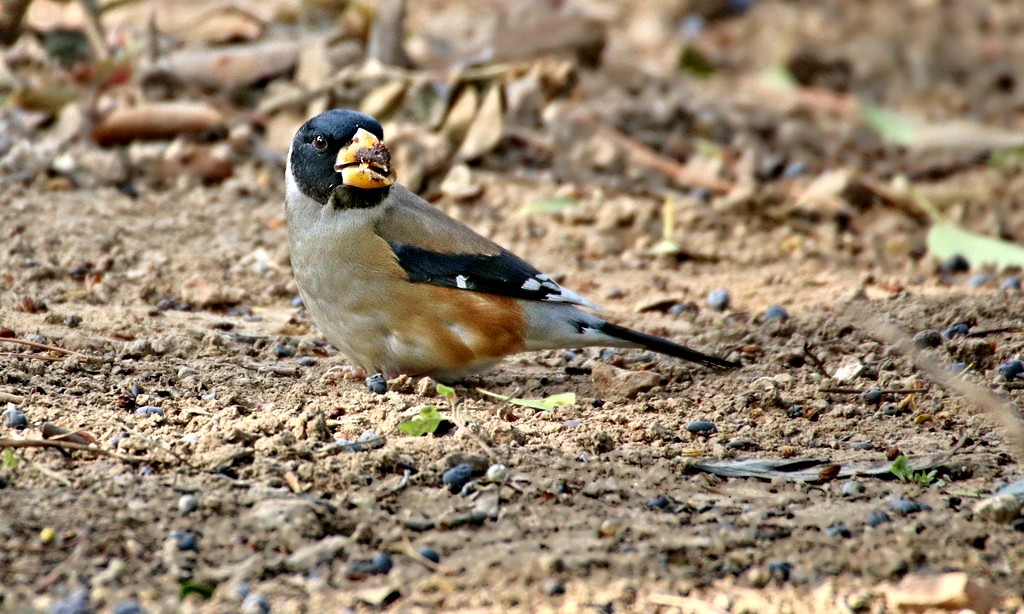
320	142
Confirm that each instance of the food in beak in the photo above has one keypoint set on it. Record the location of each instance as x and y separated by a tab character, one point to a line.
365	162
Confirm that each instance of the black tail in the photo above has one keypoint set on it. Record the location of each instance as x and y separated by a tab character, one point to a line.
664	346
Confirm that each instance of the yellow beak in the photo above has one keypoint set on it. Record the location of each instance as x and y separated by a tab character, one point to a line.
365	163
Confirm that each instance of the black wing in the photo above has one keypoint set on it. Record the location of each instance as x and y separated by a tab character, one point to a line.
503	273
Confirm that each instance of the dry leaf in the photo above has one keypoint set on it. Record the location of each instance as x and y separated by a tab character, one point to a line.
487	128
232	67
160	120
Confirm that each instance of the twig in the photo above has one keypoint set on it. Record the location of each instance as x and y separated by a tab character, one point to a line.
45	346
859	391
94	29
53	475
996	331
7	397
646	156
32	356
397	488
419	558
68	445
387	33
1004	412
816	362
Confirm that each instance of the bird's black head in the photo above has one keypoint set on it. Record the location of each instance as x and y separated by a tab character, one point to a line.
339	158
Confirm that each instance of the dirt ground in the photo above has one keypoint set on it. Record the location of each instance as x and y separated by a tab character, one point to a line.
239	494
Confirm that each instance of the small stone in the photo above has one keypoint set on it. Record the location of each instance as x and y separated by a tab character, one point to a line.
382	563
852	489
775	312
906	507
307	361
1010	283
377	383
956	264
891	409
871	396
496	473
186	540
951	592
187	504
960	329
149	410
862	445
128	607
297	302
457	477
658	503
255	603
283	351
849	371
957	367
14	418
978	280
73	321
615	382
878	517
779	570
928	339
426	387
1001	509
742	444
554	587
701	427
1011	369
719	299
430	554
838	530
608	528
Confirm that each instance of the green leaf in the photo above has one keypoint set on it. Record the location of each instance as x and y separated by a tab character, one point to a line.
426	423
189	587
891	126
9	459
555	204
445	391
694	62
545	404
779	77
946	240
901	468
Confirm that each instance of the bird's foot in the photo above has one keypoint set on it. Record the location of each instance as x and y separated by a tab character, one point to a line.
345	372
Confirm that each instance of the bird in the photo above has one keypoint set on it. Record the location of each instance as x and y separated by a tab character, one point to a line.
399	287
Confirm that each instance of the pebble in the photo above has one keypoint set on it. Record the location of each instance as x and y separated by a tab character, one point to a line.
554	587
1011	283
15	418
187	504
1011	369
1002	509
658	503
741	444
128	607
297	302
382	563
457	477
369	440
149	410
891	409
960	329
701	427
871	396
878	517
719	299
430	554
906	507
958	367
72	321
852	489
76	603
795	410
186	540
307	361
775	312
838	530
862	445
255	603
779	570
377	383
978	280
572	423
928	339
496	473
190	437
615	382
283	351
956	264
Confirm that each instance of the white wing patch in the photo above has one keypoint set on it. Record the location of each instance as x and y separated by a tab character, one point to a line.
461	282
557	293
